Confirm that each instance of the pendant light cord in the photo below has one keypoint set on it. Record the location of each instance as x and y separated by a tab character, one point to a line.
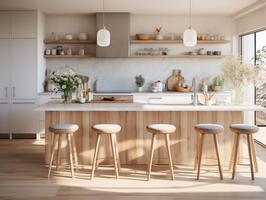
190	14
103	13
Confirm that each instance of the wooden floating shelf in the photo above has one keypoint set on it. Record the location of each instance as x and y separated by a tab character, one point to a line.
67	56
177	41
69	42
179	56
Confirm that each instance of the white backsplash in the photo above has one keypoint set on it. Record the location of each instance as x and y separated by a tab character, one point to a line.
118	74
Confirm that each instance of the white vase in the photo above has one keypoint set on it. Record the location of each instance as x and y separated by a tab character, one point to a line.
159	37
139	89
238	95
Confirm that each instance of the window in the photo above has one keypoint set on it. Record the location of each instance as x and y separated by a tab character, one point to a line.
250	44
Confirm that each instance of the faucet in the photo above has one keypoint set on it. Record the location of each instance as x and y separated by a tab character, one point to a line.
194	95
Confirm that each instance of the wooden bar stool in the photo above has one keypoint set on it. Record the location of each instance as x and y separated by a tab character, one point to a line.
64	129
248	130
161	129
111	130
209	129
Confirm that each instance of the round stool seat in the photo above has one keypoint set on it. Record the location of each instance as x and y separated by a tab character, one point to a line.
63	128
107	128
161	128
209	128
244	128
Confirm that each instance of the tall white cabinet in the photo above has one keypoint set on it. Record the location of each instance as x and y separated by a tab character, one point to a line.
18	77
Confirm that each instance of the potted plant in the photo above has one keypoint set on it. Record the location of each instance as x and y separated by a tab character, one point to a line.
66	81
218	83
158	35
139	80
239	75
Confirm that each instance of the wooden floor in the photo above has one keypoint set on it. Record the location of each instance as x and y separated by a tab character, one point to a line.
23	176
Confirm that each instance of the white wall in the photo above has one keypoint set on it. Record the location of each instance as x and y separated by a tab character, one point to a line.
120	72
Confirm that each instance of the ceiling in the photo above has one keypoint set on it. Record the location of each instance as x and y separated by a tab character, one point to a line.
179	7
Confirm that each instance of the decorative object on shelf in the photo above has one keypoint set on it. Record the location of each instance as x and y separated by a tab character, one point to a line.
217	53
157	86
218	83
66	82
69	36
52	36
239	75
204	83
103	35
139	80
158	35
48	52
208	97
81	52
69	51
173	80
83	36
143	36
54	52
190	35
202	51
59	49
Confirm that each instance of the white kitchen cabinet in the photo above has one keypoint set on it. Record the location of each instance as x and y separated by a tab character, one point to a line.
24	119
5	25
4	67
24	24
4	117
23	68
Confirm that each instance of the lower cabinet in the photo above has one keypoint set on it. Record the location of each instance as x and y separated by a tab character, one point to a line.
23	117
4	117
17	117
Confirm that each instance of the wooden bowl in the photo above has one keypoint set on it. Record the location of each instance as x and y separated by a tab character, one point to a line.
143	36
182	89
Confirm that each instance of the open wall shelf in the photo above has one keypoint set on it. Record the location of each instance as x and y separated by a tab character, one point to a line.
179	56
177	41
69	56
69	42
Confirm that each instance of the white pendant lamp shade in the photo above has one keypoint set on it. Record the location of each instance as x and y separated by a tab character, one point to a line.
103	37
190	37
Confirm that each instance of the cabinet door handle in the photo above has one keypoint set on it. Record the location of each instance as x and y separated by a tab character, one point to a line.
13	91
6	91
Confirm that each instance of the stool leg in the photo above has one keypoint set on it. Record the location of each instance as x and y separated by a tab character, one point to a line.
235	155
250	156
200	154
218	157
169	156
117	153
196	153
52	155
254	153
74	150
70	154
95	154
151	157
114	155
232	153
58	151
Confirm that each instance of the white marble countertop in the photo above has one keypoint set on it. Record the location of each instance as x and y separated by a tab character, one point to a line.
59	106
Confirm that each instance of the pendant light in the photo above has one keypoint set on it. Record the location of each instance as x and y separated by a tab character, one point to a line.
103	35
190	35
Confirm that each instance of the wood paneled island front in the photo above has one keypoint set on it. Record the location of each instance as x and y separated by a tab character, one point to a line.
133	140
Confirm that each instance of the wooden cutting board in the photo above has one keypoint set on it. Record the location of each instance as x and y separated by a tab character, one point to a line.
113	99
172	81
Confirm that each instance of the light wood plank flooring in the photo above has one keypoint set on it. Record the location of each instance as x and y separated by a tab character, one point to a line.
24	176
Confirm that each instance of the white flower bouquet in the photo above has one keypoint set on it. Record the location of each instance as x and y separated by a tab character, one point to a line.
66	81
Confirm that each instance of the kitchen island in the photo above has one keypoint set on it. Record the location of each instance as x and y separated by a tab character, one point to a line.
133	140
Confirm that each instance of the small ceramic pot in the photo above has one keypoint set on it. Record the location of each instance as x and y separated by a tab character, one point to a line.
140	89
69	36
83	36
159	37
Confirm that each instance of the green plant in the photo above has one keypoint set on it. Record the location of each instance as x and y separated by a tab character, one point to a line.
139	80
218	81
